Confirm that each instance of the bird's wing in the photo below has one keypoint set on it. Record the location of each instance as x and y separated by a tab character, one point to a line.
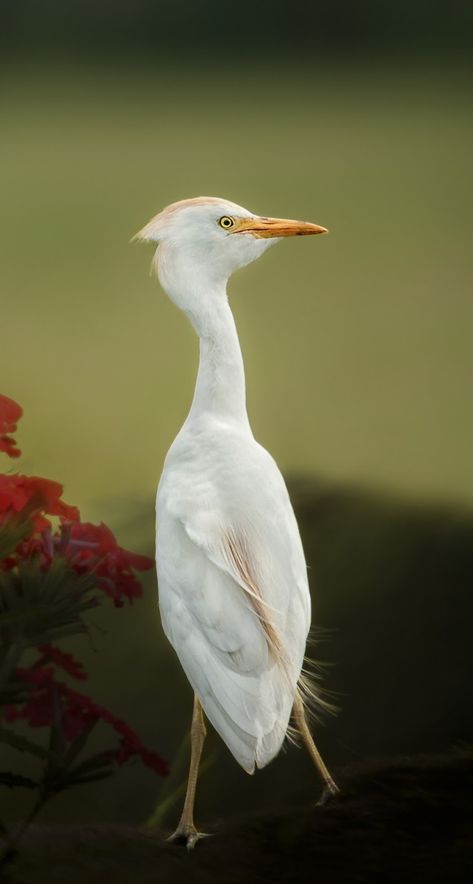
235	605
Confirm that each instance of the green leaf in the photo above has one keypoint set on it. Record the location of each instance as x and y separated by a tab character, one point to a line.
90	778
11	780
24	744
55	633
78	744
97	767
12	531
93	763
63	779
39	606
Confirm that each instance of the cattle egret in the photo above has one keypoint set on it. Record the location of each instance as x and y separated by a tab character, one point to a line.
233	591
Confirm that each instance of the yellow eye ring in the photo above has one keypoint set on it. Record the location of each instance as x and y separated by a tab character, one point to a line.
226	222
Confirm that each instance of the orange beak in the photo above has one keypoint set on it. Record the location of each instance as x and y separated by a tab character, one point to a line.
273	227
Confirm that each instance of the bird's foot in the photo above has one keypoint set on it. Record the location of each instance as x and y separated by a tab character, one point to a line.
329	791
187	835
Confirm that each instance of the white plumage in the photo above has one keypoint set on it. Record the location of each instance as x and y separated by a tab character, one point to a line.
222	492
233	591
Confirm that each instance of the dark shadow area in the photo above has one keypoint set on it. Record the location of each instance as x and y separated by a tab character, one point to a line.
393	583
408	819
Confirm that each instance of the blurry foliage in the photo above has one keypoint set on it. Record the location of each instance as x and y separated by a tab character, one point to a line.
392	582
38	606
50	576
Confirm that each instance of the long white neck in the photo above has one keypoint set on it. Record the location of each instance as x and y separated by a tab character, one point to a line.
220	387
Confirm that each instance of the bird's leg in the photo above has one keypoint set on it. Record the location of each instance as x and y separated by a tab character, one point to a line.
186	832
330	786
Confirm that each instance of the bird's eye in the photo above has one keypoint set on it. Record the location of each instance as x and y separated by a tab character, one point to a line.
226	222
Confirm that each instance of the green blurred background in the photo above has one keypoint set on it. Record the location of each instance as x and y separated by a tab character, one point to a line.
358	346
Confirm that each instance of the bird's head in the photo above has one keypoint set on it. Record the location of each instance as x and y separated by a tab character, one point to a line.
202	241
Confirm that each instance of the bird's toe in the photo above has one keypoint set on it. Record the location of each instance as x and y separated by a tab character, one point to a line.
329	791
187	836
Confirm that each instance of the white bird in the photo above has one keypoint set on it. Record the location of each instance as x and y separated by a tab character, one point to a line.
233	590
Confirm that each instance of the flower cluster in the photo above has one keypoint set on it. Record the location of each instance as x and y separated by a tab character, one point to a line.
50	699
93	548
52	563
62	660
33	498
88	548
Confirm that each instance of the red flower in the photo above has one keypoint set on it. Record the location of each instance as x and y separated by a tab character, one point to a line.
38	710
10	413
26	502
33	497
94	548
77	712
64	661
89	549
